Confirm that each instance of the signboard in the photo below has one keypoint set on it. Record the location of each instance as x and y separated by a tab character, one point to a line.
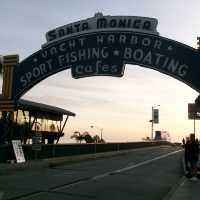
193	111
36	142
100	22
19	154
155	116
106	53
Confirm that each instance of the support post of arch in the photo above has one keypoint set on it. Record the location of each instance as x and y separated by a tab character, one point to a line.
9	62
7	102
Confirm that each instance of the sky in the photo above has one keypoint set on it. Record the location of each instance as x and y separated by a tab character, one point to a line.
121	106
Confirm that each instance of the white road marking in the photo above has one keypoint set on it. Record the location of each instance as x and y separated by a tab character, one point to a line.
100	176
135	165
131	163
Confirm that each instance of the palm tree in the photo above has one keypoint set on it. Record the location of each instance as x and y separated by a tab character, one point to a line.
84	136
87	137
78	136
97	139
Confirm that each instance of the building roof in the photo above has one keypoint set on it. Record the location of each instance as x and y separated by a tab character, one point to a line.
40	107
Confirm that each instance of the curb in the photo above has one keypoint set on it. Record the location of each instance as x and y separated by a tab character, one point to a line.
171	193
182	180
72	159
53	162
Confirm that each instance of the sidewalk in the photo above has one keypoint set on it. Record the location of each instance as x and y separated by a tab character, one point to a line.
187	190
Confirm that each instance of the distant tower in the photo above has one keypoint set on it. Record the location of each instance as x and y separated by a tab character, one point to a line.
158	135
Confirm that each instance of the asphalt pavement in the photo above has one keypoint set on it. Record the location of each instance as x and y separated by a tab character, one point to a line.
146	173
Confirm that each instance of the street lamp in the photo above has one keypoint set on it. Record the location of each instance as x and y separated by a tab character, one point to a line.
152	120
101	129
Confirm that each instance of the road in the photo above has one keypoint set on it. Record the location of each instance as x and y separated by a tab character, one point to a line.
147	173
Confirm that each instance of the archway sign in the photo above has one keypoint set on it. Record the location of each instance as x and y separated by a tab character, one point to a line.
102	45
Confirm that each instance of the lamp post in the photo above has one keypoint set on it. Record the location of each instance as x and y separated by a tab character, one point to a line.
100	129
152	120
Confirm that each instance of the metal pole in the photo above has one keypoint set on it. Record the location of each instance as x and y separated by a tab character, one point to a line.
194	126
152	130
100	129
152	125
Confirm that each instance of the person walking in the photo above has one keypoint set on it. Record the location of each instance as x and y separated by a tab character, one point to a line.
183	141
186	157
191	152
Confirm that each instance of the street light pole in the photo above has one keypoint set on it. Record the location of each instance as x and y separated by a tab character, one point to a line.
101	133
194	125
152	124
101	129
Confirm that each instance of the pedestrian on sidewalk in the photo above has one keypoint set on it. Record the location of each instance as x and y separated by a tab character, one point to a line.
183	141
191	152
186	156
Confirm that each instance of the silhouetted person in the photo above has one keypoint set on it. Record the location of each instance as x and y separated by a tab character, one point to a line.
186	154
2	132
191	155
183	141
